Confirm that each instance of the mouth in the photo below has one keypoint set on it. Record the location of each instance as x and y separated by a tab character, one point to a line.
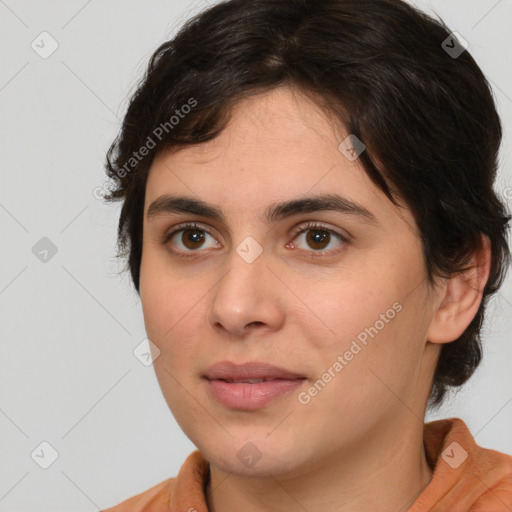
250	381
253	372
250	386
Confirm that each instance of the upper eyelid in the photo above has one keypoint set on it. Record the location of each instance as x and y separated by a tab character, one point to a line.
317	224
303	226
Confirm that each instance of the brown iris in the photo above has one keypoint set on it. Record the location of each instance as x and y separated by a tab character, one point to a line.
195	238
318	236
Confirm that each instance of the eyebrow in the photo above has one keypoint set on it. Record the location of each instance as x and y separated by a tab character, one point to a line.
168	204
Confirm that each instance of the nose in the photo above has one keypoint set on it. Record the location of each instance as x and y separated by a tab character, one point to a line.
247	297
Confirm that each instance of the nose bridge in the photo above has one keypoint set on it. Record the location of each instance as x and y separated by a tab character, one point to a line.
245	295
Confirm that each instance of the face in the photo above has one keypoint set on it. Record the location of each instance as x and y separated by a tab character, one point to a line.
332	294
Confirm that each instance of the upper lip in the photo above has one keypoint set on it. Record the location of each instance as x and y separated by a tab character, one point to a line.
249	370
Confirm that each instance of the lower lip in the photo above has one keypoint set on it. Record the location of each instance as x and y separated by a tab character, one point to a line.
251	396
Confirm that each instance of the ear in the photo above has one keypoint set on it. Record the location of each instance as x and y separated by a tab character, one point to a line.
460	297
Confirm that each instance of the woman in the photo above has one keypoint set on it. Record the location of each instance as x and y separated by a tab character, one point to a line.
310	221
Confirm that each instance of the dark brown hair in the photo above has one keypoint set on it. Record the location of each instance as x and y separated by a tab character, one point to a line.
383	68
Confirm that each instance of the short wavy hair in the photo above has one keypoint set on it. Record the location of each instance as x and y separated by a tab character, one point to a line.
389	73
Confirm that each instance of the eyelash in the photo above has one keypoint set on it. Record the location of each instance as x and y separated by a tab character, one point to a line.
311	225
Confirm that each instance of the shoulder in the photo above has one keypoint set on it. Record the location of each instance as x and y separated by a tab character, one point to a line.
188	486
465	474
494	477
155	499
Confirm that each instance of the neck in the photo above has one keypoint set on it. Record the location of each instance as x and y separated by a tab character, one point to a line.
387	473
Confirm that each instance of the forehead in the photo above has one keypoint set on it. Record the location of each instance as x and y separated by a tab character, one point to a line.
282	121
277	145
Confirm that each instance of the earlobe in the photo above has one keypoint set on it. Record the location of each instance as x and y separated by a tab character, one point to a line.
461	297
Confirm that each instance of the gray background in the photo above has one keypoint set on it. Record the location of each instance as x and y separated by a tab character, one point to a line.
69	325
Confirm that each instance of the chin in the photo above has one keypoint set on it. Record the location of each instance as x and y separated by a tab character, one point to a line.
257	456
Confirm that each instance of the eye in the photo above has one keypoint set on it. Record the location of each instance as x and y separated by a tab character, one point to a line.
318	237
192	237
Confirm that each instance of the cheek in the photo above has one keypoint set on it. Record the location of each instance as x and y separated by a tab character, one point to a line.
165	301
169	313
346	306
155	306
370	319
174	311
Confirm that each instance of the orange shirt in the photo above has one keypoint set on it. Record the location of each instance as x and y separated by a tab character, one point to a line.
466	478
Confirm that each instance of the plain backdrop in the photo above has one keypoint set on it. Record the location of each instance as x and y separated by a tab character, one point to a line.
69	321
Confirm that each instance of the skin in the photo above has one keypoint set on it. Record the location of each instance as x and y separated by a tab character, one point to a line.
357	444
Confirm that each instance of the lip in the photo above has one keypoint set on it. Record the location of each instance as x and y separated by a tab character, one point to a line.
249	396
249	370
